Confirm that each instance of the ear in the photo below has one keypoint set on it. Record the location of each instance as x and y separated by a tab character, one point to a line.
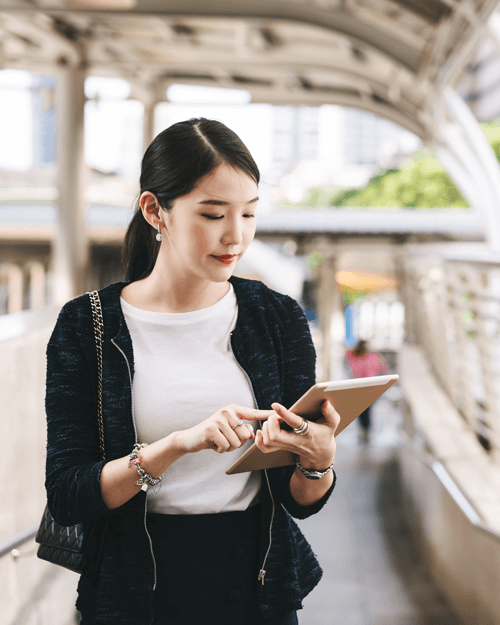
150	208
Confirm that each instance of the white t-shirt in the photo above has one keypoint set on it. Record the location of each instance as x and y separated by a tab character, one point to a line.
185	372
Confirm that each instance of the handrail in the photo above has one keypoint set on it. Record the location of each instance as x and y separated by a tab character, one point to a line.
16	541
451	487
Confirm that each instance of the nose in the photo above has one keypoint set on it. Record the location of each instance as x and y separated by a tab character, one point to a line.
233	232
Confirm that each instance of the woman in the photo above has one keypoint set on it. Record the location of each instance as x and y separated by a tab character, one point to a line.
193	359
364	364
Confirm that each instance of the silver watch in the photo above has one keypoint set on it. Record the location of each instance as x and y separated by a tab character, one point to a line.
313	474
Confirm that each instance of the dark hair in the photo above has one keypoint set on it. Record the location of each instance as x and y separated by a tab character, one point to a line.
172	165
361	348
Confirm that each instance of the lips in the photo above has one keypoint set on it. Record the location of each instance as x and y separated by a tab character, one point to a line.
227	259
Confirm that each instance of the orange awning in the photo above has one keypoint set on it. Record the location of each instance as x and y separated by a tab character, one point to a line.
364	281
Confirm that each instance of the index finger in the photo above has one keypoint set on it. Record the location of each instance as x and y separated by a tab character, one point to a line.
252	414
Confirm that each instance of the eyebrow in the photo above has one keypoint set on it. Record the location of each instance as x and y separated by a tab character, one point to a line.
222	203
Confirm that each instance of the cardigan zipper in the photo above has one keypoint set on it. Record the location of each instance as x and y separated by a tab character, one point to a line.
262	571
135	435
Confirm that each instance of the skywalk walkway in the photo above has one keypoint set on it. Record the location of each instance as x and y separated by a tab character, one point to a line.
374	572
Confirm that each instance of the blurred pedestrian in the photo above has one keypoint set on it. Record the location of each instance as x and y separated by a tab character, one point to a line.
363	364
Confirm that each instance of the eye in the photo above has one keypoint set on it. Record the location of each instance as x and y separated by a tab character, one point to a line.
213	217
249	216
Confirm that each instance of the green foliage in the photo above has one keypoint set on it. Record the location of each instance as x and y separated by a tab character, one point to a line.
314	259
420	183
349	297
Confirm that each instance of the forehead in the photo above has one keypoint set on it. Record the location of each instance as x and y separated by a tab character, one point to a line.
225	183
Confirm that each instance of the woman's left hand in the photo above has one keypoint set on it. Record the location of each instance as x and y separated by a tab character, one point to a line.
316	449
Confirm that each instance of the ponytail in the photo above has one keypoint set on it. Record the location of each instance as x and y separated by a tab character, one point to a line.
140	248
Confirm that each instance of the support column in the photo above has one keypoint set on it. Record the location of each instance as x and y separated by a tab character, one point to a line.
338	334
36	285
70	251
148	132
330	309
405	294
15	288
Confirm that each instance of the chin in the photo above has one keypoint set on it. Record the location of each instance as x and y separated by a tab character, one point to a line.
222	278
223	274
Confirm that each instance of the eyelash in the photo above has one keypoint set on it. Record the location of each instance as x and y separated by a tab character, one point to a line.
214	218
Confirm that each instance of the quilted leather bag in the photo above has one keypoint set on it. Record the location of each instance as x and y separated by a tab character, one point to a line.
78	547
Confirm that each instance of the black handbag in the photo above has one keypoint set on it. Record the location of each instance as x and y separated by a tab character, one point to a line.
78	547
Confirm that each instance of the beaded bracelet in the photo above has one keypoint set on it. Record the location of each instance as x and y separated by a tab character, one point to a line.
145	480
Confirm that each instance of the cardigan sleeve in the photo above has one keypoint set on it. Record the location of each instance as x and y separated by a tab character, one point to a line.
74	463
300	375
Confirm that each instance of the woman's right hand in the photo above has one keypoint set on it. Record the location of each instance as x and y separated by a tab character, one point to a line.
219	433
118	483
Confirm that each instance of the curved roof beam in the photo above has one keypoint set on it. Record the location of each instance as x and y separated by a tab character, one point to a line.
346	23
245	72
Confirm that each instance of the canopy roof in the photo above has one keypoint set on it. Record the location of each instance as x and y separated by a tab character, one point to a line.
383	56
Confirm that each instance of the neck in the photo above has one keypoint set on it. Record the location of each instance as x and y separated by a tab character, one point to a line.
163	292
181	294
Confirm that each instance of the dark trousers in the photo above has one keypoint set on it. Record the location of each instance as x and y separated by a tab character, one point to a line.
207	569
364	419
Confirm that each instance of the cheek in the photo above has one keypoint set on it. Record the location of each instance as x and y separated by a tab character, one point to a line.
249	233
201	238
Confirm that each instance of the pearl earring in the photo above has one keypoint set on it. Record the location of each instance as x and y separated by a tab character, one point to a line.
159	235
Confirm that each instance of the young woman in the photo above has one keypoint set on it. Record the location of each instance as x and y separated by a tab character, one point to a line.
194	360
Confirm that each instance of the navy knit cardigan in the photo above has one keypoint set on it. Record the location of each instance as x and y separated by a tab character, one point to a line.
272	343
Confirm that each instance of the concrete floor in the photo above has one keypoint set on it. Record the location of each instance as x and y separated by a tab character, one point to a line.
374	573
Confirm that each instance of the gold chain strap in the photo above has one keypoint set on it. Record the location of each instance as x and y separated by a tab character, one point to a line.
98	321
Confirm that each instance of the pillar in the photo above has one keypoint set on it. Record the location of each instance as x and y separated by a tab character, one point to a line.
70	251
36	285
148	133
15	288
330	309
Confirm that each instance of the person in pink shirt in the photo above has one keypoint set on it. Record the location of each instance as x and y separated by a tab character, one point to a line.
364	364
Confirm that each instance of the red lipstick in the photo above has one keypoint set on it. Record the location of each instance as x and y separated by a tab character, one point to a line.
227	259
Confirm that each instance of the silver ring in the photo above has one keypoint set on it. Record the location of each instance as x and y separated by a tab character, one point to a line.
302	429
240	422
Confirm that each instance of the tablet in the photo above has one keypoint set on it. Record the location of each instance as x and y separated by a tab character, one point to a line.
349	398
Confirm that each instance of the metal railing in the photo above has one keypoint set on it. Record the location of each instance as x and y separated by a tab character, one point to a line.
453	312
447	482
11	545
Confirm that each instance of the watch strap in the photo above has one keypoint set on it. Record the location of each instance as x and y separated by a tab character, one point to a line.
314	474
